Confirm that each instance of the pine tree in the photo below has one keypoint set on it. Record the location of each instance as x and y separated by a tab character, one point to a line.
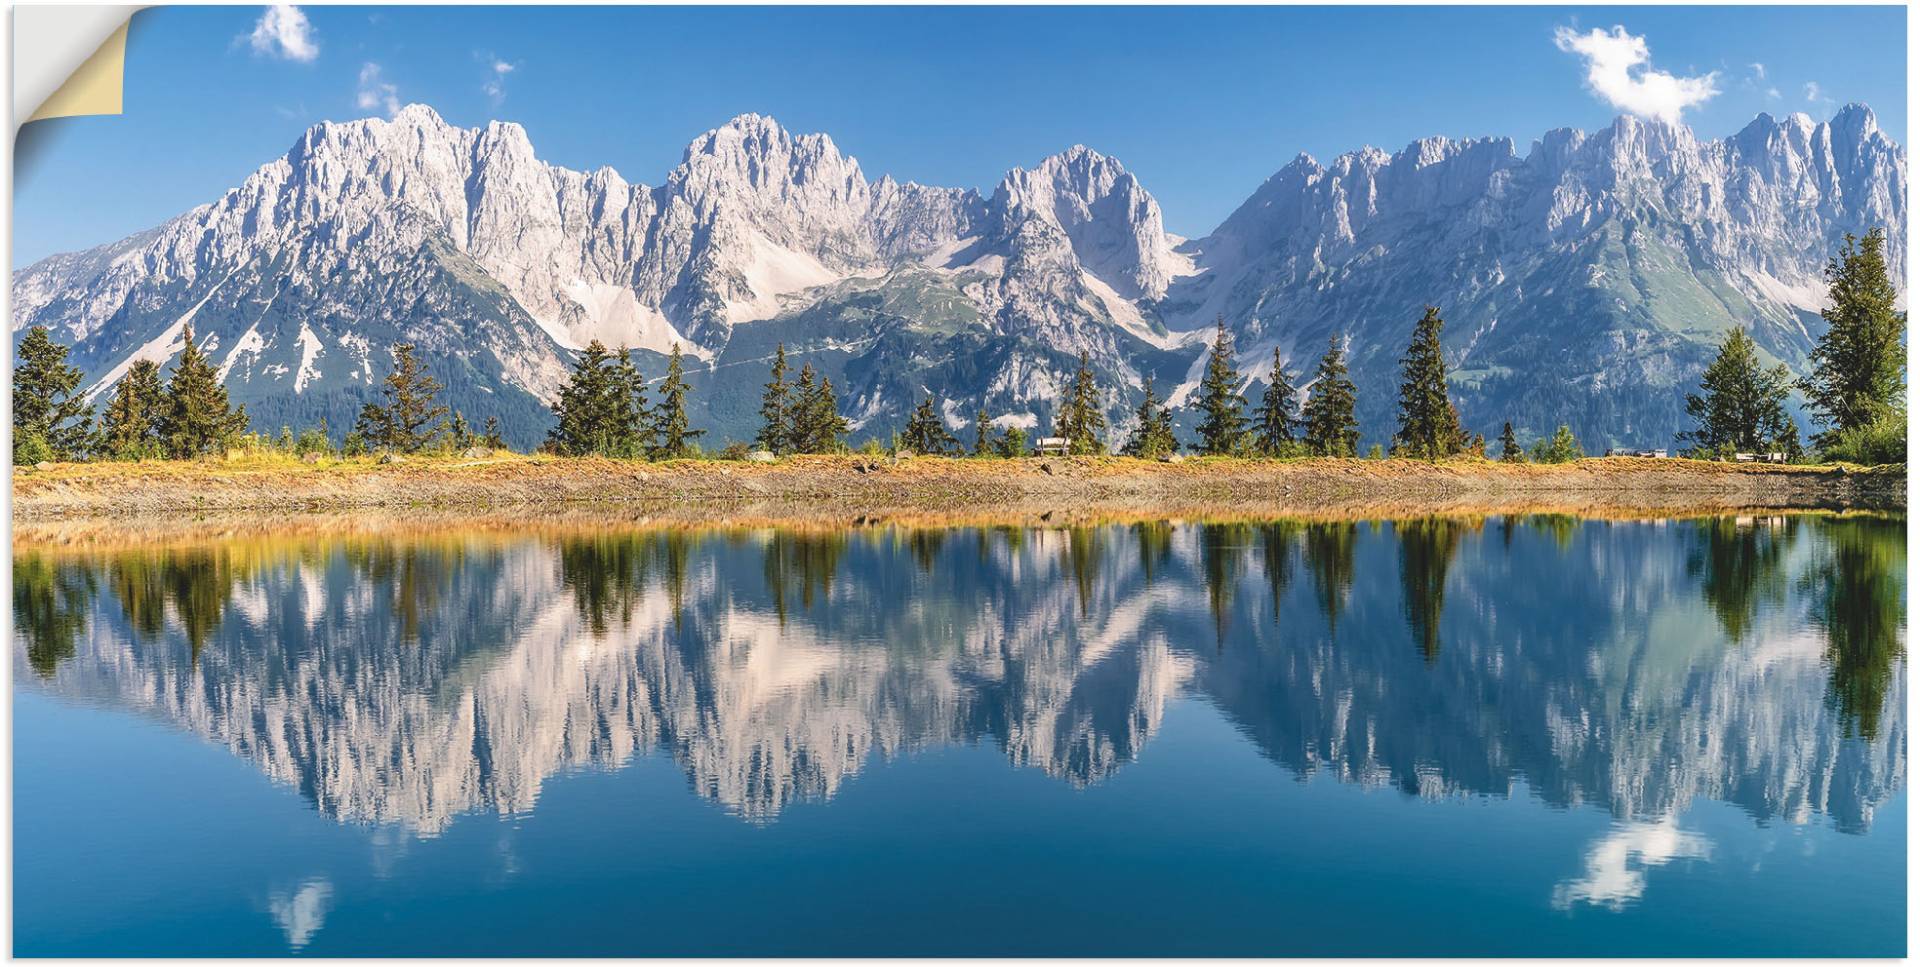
1081	420
1222	428
776	429
1332	430
826	429
1276	420
1510	451
410	420
672	436
1741	407
800	431
490	437
459	432
198	418
627	407
982	434
130	428
926	432
1013	442
586	412
1562	448
1859	365
1153	427
1429	425
44	405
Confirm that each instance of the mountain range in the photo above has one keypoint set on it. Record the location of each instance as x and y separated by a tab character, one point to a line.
1585	281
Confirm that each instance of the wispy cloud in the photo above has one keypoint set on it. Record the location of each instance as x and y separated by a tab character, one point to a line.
1756	80
496	84
1620	71
376	92
283	31
1817	95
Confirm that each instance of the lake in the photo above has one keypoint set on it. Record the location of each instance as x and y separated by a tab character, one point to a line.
1539	735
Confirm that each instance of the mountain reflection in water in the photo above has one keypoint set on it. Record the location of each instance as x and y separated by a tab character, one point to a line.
1632	666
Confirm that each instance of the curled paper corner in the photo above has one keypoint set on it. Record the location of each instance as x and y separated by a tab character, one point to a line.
69	60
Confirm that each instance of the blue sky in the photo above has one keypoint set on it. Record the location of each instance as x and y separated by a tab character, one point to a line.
1203	104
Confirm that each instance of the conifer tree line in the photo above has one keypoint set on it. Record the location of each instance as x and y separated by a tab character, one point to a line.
1855	395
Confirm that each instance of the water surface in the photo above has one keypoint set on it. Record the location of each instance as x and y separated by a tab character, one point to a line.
1499	735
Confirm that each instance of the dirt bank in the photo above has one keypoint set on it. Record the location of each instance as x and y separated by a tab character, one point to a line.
843	485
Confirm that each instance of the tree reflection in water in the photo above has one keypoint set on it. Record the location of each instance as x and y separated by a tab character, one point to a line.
771	663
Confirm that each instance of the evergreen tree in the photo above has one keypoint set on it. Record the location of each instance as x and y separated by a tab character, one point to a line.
926	432
198	419
588	418
1562	448
44	405
1429	425
1081	420
633	431
672	436
130	429
776	416
459	432
1332	430
1510	451
1013	442
1153	427
826	429
1859	365
982	434
1276	420
410	420
490	437
1222	428
1741	407
800	414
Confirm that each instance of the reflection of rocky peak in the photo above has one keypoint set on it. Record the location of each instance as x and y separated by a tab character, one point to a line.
412	683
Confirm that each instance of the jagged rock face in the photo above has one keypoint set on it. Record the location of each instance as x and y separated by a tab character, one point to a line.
1585	282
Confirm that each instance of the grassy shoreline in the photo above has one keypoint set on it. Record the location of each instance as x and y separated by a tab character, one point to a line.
851	484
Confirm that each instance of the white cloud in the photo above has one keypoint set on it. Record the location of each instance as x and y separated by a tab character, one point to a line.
1620	72
1773	93
283	31
1759	71
1816	94
376	93
496	86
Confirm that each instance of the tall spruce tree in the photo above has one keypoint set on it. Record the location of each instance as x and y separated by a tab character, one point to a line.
410	420
776	407
130	429
1510	451
1742	406
926	432
1152	427
633	431
826	429
587	410
45	407
800	428
490	437
982	434
672	434
1276	420
1429	425
1222	427
1859	365
198	417
1332	430
1081	421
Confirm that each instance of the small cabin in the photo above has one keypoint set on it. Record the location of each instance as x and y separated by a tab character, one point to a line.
1775	457
1631	452
1052	446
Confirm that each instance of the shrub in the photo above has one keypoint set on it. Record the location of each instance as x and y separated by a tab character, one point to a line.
1562	448
734	450
29	448
1882	441
1376	453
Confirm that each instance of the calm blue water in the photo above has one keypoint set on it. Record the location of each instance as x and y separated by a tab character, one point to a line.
1491	736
